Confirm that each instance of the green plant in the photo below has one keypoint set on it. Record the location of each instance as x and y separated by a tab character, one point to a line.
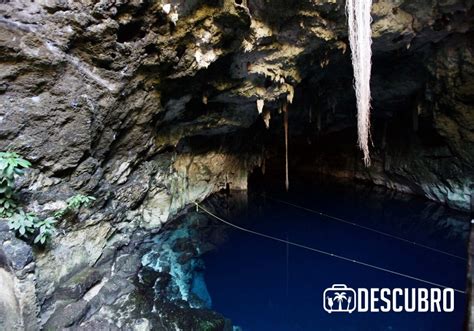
74	203
77	201
46	229
60	213
11	164
23	223
26	224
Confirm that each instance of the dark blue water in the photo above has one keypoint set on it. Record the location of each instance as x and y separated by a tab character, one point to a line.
265	285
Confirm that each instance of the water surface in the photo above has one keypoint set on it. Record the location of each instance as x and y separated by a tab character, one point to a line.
265	285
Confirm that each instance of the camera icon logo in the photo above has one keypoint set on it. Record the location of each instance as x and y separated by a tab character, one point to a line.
339	299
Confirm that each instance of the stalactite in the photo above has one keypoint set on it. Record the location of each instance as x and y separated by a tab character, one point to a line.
285	123
260	104
266	118
360	38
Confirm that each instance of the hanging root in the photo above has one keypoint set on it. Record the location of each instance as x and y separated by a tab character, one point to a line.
285	123
360	38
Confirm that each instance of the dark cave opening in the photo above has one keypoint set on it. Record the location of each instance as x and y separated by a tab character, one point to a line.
407	147
130	31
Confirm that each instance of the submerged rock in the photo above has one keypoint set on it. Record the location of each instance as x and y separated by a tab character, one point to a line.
175	257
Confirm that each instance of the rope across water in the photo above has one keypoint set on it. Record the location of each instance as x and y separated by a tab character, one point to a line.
368	265
367	228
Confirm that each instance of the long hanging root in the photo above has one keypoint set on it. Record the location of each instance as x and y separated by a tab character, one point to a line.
285	123
360	38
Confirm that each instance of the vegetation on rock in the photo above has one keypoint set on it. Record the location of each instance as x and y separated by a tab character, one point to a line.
27	225
11	164
74	203
46	229
23	223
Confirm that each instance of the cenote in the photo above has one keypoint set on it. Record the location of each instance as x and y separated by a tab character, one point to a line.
263	284
236	165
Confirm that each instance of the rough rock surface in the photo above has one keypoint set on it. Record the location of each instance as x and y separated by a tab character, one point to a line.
422	125
18	308
149	107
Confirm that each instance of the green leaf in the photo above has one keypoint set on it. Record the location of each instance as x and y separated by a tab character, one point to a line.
10	181
9	170
23	163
